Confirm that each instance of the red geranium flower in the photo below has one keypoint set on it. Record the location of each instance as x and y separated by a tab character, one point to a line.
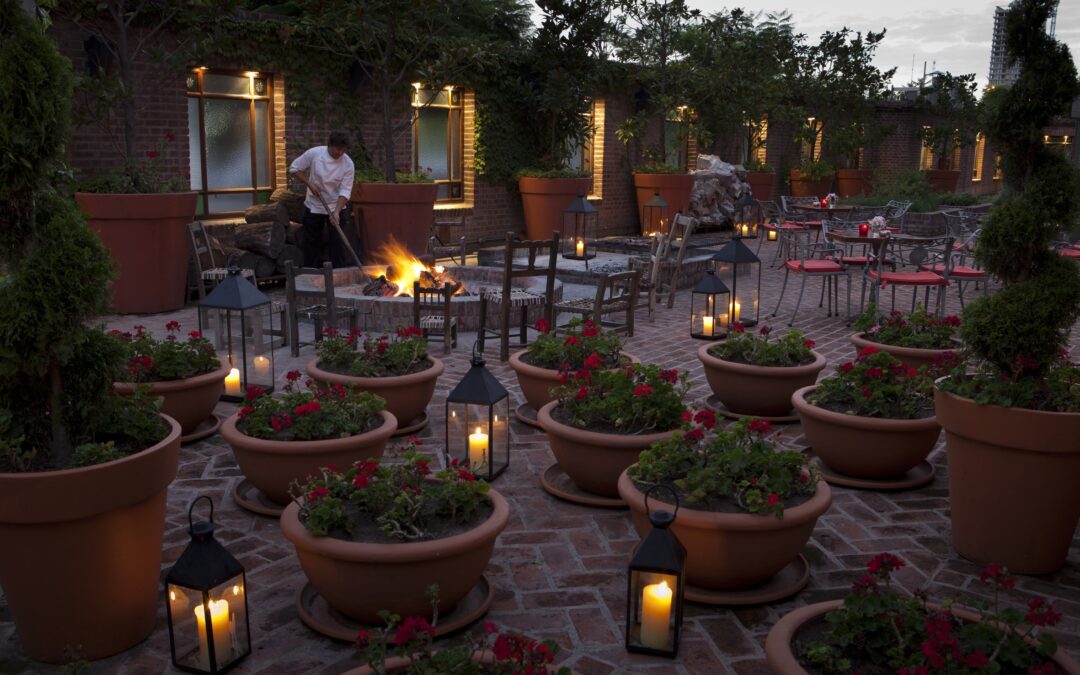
759	425
642	390
542	326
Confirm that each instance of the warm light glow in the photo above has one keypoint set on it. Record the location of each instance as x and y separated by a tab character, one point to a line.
402	268
232	382
735	311
580	247
478	445
707	325
252	73
772	235
236	589
172	596
655	615
219	623
262	366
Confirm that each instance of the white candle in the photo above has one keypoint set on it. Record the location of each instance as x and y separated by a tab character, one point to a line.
655	615
478	445
580	247
772	235
745	229
262	366
707	325
723	319
232	382
219	622
735	312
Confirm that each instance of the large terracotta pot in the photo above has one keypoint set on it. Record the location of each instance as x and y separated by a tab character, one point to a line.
592	459
782	660
865	447
853	182
359	579
82	552
757	390
674	188
909	356
543	201
943	180
761	184
272	465
401	211
146	236
733	551
398	664
189	401
407	396
536	383
807	187
1013	476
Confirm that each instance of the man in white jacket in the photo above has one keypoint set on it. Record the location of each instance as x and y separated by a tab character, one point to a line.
329	180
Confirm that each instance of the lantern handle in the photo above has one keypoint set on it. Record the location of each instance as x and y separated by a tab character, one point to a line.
191	508
477	355
671	490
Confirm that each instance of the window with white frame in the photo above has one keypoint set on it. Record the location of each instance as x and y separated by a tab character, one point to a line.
438	138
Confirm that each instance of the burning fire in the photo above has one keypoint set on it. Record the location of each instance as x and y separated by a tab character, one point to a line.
401	268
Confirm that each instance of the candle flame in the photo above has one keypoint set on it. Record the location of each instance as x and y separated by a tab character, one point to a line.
477	429
236	590
172	596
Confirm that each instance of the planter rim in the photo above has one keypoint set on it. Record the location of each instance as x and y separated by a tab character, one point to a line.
860	340
518	364
169	386
809	510
436	369
761	371
412	551
660	177
1013	421
610	440
234	436
420	189
536	185
95	195
804	407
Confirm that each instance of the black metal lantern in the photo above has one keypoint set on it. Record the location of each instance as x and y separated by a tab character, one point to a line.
478	422
748	217
740	270
580	223
206	603
654	600
236	318
709	303
654	216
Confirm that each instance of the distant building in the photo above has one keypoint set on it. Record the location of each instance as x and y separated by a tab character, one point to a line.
999	74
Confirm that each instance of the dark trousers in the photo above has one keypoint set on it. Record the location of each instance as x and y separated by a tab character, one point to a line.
320	242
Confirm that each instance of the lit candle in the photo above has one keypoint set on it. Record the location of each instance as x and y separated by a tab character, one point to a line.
262	366
478	445
724	320
655	615
219	622
707	325
745	229
735	312
864	230
232	382
580	247
772	235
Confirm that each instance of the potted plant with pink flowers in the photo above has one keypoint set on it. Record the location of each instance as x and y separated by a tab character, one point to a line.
917	339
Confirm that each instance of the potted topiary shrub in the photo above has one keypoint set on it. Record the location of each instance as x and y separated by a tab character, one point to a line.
873	423
1011	413
877	628
746	509
917	339
84	472
396	367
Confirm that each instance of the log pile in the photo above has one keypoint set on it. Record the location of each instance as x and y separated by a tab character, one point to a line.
718	186
270	235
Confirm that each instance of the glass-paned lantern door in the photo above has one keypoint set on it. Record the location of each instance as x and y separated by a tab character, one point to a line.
653	611
709	308
740	270
654	216
237	319
580	224
209	628
478	436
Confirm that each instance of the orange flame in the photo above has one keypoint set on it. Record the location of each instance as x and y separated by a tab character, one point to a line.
401	267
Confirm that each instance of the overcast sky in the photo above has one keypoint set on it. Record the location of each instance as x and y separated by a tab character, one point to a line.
956	34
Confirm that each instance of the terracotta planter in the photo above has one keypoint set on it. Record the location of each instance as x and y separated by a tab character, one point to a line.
536	382
398	664
853	182
674	188
402	211
407	396
909	356
733	551
594	460
782	660
188	401
865	447
543	201
807	187
761	184
146	236
757	390
272	465
943	180
1018	470
359	579
82	552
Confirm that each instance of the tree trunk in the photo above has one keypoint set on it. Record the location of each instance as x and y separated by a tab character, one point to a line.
266	239
289	253
264	267
273	212
388	132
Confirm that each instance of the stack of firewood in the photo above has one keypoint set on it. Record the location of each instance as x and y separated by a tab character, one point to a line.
269	237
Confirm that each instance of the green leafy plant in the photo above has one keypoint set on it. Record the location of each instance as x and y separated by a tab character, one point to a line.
815	169
880	629
557	172
658	167
918	329
306	414
792	349
876	384
583	344
386	355
755	166
406	501
635	399
950	106
739	467
145	175
367	173
153	360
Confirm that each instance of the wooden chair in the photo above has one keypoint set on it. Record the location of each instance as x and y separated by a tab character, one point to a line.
678	240
615	293
209	271
444	242
648	269
510	297
325	312
431	312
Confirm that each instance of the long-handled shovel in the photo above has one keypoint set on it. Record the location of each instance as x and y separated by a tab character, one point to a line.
341	233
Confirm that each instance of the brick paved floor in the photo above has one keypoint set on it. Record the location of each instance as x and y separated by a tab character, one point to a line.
559	569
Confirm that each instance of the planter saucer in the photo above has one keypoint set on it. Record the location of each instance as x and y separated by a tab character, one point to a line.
251	498
321	618
787	581
526	414
921	474
557	484
417	424
714	403
207	428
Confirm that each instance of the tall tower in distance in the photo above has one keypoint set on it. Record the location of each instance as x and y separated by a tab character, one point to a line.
999	74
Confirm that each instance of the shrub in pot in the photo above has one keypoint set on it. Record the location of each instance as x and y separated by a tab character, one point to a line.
917	338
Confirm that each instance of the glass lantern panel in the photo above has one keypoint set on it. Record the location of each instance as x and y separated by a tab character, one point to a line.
653	596
744	279
708	314
226	630
478	435
653	219
243	339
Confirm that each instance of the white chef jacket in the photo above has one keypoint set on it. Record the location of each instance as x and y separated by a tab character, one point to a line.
333	177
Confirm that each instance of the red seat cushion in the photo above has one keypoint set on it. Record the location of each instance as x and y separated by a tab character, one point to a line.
814	266
1070	252
958	271
910	278
791	226
857	260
